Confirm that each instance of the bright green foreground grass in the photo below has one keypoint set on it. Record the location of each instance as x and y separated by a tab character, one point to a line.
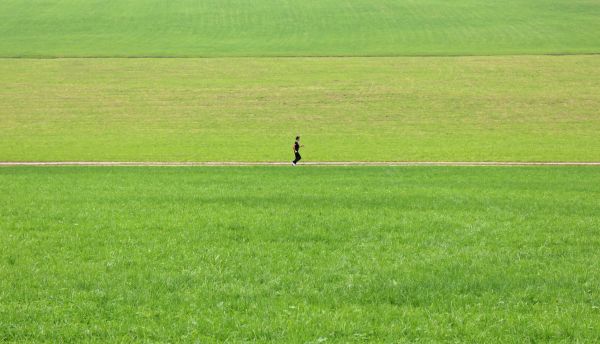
346	109
113	28
300	254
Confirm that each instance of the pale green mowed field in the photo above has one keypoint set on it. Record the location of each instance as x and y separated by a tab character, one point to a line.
300	255
108	28
519	108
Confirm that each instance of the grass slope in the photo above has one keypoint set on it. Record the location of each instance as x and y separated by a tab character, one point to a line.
111	28
300	254
347	109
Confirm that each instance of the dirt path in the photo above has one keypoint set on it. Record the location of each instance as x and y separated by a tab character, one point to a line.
315	163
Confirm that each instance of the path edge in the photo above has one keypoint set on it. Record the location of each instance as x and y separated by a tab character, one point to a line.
310	163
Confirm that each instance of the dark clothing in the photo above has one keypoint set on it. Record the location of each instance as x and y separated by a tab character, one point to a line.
297	152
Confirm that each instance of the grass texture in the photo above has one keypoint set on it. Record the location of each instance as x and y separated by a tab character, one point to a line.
300	254
183	28
346	109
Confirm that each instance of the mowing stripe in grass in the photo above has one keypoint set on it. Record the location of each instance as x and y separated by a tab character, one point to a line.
296	28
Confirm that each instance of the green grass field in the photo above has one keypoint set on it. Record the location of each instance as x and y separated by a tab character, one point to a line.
111	28
347	109
305	254
300	255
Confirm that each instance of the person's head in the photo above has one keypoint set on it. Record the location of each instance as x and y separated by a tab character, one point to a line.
297	138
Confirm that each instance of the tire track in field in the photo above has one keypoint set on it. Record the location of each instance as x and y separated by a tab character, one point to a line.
310	163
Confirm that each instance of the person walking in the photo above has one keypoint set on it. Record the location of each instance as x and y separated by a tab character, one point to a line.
296	148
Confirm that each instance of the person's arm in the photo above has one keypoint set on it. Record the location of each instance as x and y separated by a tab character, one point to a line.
294	148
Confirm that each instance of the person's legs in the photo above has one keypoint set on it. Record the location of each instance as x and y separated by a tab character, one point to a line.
298	157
